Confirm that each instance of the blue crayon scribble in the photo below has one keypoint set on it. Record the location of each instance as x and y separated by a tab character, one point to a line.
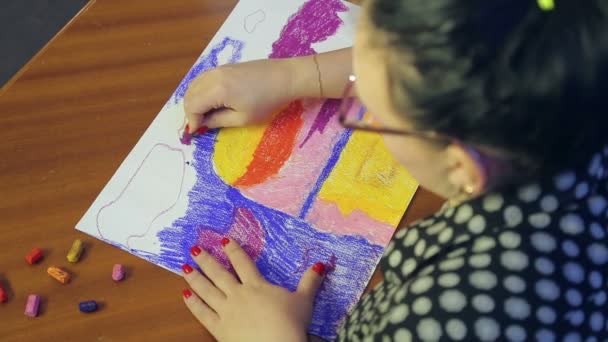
208	62
329	166
288	239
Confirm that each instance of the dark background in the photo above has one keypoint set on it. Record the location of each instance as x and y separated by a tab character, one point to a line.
26	26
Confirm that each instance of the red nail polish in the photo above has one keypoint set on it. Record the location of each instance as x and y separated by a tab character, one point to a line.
225	241
319	268
202	130
187	293
187	268
187	129
195	250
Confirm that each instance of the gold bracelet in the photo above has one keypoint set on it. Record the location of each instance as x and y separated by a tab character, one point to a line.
314	58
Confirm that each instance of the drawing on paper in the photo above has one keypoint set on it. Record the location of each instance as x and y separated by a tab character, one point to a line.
295	191
252	20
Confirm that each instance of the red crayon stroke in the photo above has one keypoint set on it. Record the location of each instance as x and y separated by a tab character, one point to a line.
275	147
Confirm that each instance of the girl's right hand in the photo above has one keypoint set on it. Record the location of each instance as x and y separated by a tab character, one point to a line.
238	94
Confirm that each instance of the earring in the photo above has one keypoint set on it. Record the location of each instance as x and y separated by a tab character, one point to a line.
468	189
465	193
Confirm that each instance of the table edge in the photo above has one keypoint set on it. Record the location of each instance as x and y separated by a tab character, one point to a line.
31	61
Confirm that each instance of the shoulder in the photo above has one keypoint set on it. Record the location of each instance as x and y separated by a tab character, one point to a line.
512	272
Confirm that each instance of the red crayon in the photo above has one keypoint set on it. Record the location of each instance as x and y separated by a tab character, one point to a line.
34	256
3	294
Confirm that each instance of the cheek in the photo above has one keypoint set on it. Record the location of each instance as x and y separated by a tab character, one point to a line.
406	152
421	161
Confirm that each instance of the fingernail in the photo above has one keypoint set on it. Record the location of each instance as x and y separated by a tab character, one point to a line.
187	293
187	268
202	130
319	268
195	250
187	129
225	241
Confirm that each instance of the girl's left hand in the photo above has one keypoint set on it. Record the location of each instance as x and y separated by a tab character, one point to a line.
251	309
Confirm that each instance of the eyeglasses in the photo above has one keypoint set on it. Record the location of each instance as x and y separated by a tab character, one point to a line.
360	119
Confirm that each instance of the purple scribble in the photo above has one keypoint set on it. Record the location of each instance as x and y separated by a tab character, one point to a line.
327	111
331	264
246	230
314	22
208	62
186	138
305	261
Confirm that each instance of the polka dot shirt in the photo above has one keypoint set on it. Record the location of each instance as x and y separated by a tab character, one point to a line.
525	263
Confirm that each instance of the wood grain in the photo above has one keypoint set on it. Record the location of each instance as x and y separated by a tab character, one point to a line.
62	139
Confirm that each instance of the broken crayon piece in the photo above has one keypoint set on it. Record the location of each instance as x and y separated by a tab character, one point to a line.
88	306
60	275
34	256
32	305
118	272
75	251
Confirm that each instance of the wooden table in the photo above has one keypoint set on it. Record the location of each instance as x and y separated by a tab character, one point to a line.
61	141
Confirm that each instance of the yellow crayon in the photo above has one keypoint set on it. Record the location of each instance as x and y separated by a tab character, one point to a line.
75	251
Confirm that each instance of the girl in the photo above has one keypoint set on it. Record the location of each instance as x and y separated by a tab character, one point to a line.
496	105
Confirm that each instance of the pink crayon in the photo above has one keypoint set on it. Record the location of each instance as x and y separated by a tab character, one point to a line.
31	307
118	272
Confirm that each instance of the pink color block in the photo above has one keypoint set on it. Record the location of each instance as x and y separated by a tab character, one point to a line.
118	272
288	189
326	216
31	307
246	230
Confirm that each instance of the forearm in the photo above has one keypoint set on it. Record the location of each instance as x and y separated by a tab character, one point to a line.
334	68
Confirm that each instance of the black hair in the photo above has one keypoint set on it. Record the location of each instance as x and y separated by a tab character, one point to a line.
502	73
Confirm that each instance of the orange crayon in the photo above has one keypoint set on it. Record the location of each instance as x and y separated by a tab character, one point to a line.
60	275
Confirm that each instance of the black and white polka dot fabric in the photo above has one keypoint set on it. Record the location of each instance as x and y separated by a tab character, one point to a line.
528	263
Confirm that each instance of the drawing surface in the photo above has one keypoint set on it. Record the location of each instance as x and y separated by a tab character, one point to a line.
295	191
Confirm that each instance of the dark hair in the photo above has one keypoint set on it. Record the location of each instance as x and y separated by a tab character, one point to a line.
503	73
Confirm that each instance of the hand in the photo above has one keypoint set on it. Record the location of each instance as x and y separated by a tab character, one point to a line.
251	309
238	94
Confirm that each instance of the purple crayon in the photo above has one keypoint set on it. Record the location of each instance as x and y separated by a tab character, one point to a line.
31	306
118	272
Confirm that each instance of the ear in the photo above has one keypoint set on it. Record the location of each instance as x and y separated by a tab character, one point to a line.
466	169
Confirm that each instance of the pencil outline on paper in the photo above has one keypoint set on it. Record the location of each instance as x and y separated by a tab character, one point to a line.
261	16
